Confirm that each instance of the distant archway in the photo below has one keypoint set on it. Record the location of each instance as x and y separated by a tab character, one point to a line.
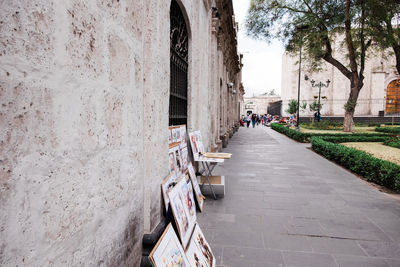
393	97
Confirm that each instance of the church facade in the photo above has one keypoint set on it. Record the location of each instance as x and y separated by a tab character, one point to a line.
88	90
379	96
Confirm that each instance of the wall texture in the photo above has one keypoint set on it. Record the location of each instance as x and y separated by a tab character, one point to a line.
84	89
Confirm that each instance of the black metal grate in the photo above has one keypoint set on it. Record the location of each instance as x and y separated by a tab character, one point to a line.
179	67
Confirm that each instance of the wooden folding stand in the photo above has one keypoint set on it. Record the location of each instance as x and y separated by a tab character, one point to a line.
208	166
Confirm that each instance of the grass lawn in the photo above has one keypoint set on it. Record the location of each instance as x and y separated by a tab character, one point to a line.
378	150
357	129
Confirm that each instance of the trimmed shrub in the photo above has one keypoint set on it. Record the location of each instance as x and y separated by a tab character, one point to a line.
375	170
305	137
393	130
393	141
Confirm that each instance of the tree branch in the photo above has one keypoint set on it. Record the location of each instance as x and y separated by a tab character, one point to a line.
330	59
349	39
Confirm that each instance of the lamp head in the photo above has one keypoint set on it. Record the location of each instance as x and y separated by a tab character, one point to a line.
328	82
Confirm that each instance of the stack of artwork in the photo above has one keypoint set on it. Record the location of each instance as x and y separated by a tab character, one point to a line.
188	247
178	151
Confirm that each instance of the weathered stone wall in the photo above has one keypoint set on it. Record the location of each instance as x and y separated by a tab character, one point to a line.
84	113
73	130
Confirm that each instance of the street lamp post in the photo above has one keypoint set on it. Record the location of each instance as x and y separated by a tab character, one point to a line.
300	29
319	85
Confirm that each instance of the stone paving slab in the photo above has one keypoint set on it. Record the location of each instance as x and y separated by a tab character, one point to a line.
287	206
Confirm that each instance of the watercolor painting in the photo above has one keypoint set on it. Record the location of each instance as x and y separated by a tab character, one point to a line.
197	192
169	252
166	186
185	219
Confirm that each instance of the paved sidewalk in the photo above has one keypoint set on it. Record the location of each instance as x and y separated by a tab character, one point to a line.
287	206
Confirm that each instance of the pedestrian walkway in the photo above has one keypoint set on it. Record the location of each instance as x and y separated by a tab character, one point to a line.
287	206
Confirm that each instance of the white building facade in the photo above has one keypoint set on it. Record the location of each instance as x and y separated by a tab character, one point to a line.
377	97
258	104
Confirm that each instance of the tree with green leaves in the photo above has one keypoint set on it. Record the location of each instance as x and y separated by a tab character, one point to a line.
315	106
384	18
321	23
292	107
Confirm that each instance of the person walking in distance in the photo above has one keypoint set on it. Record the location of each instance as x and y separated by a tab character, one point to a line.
248	119
254	119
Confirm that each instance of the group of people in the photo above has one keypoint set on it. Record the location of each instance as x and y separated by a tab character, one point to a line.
255	119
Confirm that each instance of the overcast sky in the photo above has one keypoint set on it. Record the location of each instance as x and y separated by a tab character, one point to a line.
262	62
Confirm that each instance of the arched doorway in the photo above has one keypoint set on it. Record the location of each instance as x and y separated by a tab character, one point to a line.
393	97
178	100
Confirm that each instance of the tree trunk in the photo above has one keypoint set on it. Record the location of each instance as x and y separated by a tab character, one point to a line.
350	107
348	123
396	49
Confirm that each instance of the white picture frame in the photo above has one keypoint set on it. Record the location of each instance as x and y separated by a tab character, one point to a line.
184	216
169	251
197	191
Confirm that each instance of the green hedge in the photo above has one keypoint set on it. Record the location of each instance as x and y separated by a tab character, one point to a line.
355	138
392	144
375	170
305	137
393	130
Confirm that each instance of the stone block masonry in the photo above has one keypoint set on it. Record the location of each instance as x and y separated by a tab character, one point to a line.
84	98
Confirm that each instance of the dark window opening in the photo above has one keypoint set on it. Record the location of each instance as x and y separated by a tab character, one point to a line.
178	101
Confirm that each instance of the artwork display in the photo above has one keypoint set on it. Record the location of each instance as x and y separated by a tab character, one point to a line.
171	160
183	134
199	252
184	156
197	192
166	186
169	252
174	134
178	161
169	136
196	144
183	208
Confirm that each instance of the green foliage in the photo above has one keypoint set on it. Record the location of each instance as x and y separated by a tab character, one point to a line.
393	141
303	106
292	106
383	17
388	129
350	105
375	170
314	106
305	137
324	125
357	138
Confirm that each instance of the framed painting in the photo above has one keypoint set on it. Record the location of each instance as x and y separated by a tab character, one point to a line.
166	186
172	161
197	192
183	133
196	144
169	136
168	251
184	156
199	250
182	209
174	136
178	161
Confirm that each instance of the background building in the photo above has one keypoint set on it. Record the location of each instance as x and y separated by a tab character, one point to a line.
380	94
88	89
258	104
